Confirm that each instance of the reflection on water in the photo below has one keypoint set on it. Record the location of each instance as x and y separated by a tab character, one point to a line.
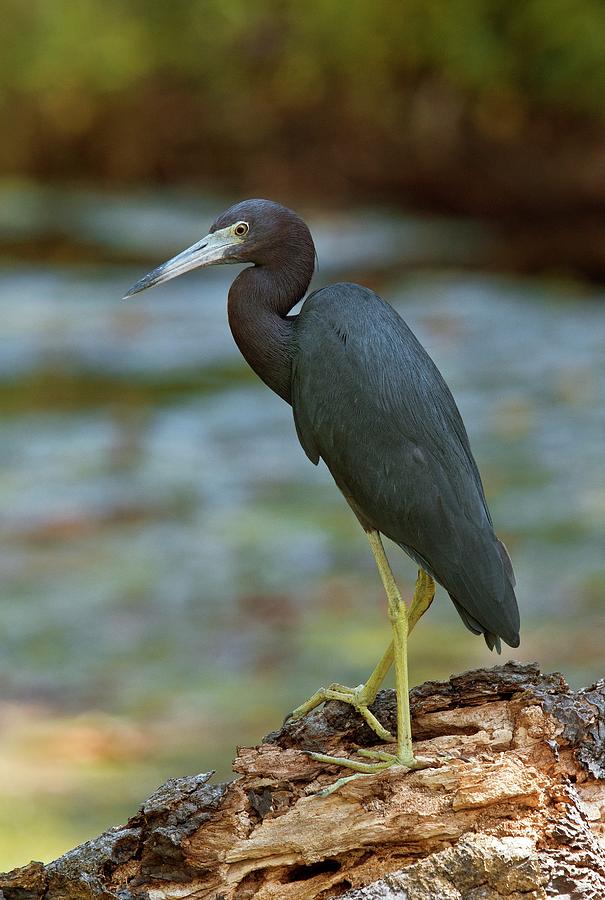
175	572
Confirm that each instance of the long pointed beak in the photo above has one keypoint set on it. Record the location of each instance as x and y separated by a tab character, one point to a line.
210	251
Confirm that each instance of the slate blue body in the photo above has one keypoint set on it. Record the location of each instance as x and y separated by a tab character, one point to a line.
370	402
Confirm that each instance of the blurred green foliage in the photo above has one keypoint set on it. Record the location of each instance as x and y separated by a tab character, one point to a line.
237	74
551	50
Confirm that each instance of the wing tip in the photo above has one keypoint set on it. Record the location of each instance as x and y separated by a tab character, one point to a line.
509	634
494	641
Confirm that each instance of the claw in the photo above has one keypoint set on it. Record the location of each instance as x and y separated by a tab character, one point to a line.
361	769
355	697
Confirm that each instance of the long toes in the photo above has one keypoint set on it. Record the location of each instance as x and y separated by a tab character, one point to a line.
325	792
308	706
375	725
341	688
412	763
355	697
294	715
382	755
345	762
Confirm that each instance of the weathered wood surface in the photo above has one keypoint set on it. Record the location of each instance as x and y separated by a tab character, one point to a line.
514	807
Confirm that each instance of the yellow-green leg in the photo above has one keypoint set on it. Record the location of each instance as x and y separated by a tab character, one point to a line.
364	695
400	620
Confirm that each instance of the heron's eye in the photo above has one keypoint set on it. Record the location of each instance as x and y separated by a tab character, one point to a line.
241	229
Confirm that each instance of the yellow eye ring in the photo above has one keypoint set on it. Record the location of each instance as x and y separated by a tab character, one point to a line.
241	229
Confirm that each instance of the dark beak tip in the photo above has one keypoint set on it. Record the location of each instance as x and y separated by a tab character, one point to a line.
130	293
171	269
142	284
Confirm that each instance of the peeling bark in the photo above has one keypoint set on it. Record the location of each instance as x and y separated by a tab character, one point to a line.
514	806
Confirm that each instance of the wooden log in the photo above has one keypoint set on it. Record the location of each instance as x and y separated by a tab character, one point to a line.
514	806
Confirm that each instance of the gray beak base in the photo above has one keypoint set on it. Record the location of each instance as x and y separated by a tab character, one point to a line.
210	251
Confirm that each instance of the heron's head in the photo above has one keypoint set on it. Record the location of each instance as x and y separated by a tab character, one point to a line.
254	231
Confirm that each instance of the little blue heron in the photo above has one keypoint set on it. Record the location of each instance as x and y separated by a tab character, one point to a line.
370	402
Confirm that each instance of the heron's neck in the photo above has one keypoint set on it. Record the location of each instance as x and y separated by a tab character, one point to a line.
259	301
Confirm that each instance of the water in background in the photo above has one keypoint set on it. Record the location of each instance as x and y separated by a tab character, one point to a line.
175	574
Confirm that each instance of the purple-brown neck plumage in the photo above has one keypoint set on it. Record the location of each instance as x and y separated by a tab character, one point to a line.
259	301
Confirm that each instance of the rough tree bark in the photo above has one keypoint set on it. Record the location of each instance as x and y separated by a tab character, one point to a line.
514	807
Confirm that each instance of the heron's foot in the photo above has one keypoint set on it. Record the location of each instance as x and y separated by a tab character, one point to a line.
357	697
384	761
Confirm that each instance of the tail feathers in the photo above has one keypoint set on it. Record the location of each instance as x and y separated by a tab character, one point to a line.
484	595
492	640
495	602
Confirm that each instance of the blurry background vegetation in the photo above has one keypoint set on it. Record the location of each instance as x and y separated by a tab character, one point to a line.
175	575
478	104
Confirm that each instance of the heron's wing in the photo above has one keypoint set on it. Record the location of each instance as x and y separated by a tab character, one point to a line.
368	399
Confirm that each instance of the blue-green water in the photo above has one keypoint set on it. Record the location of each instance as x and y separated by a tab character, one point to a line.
170	558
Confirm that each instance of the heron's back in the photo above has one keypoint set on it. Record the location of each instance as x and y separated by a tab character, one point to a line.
371	403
